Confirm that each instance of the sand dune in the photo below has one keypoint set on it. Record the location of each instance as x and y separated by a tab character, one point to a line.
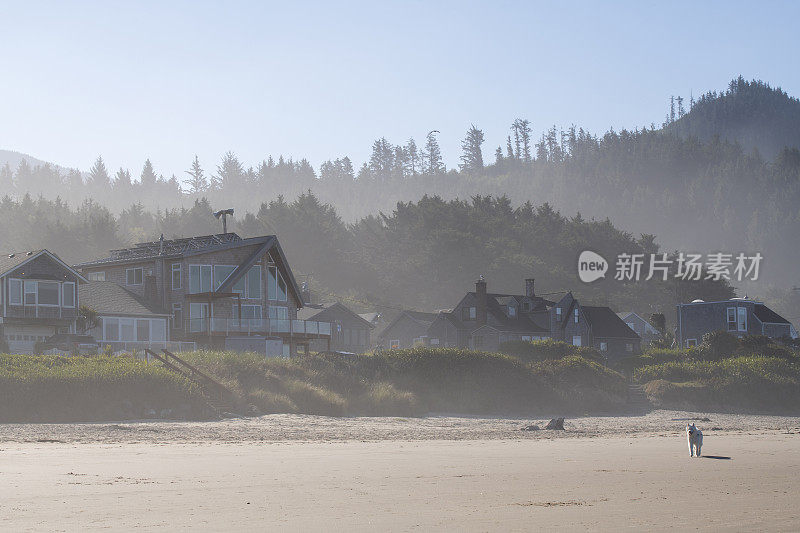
434	473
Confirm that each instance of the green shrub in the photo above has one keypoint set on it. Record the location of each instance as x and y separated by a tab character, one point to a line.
530	351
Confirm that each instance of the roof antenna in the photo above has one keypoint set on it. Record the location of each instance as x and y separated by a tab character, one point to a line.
224	214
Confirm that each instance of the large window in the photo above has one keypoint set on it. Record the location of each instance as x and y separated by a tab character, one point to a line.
48	293
134	329
248	311
737	318
176	276
221	273
134	276
254	283
68	294
15	291
276	286
200	278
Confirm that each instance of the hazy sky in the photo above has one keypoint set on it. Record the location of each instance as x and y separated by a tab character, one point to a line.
131	80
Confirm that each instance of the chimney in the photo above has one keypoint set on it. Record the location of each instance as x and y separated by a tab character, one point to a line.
480	301
529	292
305	292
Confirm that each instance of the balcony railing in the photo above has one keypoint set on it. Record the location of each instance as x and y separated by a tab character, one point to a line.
259	326
41	311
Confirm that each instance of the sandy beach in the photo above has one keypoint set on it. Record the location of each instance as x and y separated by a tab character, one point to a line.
286	472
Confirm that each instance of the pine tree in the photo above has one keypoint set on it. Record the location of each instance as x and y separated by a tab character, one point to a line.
671	109
432	156
498	156
509	148
122	181
197	181
681	111
98	176
148	177
472	157
413	160
230	173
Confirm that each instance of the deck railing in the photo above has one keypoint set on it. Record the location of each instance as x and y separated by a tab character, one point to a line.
255	326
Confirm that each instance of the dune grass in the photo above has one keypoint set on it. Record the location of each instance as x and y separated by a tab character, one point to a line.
64	389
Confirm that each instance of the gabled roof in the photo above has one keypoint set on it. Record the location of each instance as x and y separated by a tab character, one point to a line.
767	315
606	324
170	248
422	318
108	298
12	261
327	311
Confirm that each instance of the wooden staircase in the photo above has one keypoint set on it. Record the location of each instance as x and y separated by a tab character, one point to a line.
638	401
218	398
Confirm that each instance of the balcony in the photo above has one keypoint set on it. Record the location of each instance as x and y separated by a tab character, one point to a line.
41	311
258	326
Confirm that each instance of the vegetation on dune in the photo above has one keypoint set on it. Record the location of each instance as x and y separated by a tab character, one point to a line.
65	389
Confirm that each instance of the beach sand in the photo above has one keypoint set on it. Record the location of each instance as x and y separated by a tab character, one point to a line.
286	472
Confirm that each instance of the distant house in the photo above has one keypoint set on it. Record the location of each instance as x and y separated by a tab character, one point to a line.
349	331
737	316
595	326
483	320
221	290
39	298
126	321
408	329
642	327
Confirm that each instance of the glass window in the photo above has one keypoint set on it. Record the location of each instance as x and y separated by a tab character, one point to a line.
221	273
96	276
111	329
742	319
272	283
30	293
200	278
158	329
143	330
629	347
248	311
731	319
512	311
126	332
176	276
576	340
48	292
239	286
177	316
254	283
603	346
281	288
68	296
15	291
134	276
278	313
576	315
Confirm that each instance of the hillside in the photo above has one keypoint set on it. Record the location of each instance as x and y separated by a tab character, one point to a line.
750	113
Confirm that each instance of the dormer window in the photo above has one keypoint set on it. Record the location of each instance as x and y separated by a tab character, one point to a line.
512	311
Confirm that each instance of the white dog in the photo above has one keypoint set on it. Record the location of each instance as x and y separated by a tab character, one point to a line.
695	438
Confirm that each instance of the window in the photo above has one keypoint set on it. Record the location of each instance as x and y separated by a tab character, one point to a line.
111	329
254	283
30	293
691	342
742	319
68	294
603	346
434	342
478	341
248	311
48	293
558	313
134	276
177	316
526	338
395	344
176	276
576	340
221	273
272	283
526	306
200	277
628	346
282	295
631	325
158	329
15	291
96	276
278	313
143	330
468	313
126	329
512	311
731	319
576	315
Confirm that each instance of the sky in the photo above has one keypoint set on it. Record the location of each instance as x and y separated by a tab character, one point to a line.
321	80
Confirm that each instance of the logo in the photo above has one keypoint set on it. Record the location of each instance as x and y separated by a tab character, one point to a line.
591	266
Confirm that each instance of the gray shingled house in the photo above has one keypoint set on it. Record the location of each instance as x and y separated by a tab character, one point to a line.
349	331
408	329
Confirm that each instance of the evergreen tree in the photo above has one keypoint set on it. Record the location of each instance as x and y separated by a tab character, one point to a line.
98	176
414	164
148	177
472	157
197	181
432	156
230	173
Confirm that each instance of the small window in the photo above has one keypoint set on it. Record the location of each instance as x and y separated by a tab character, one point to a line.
96	276
15	291
134	276
576	315
558	312
394	345
691	343
603	346
473	313
512	311
68	294
742	319
731	318
628	346
30	293
434	342
177	281
177	316
576	340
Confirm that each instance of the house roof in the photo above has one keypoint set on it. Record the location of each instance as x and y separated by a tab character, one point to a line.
765	314
370	317
13	260
327	311
420	317
605	323
108	298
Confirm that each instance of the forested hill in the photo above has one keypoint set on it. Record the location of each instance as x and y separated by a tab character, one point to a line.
750	113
